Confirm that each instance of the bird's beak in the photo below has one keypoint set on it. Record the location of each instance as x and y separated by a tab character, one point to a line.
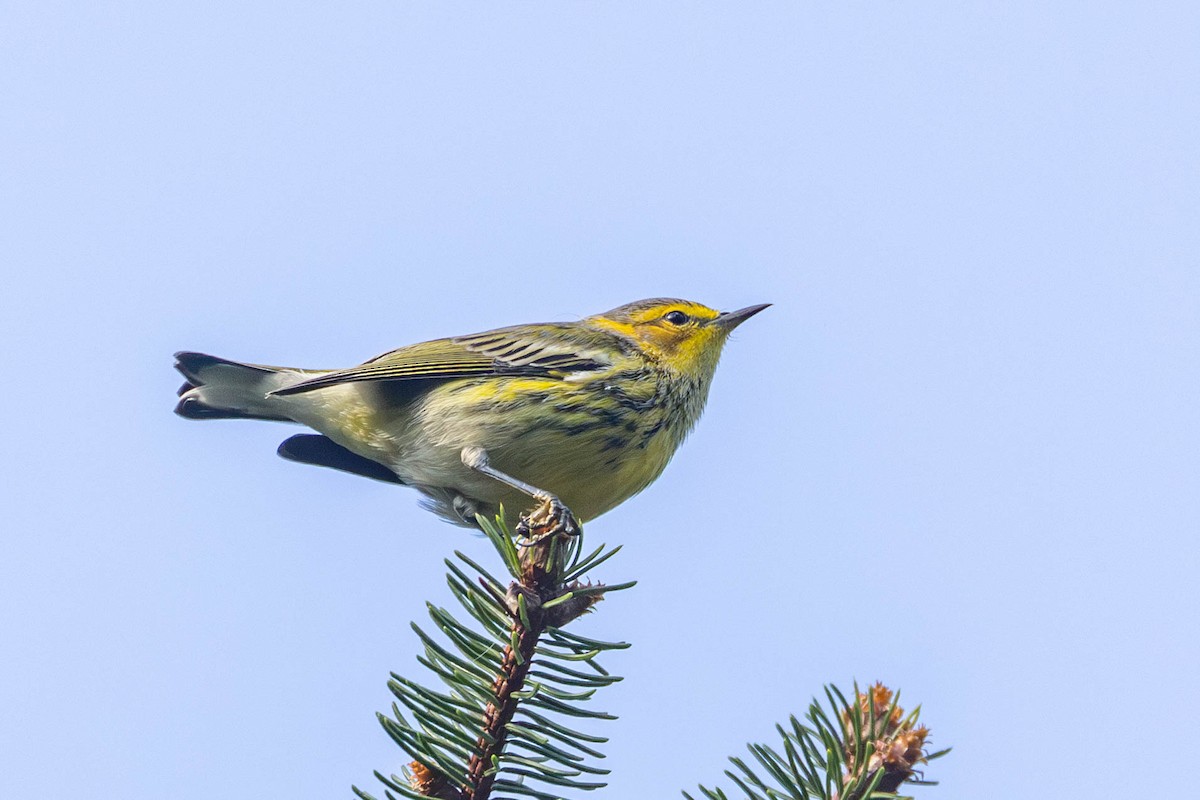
731	319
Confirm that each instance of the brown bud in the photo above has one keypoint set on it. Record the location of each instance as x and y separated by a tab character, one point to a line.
429	783
897	747
533	603
562	613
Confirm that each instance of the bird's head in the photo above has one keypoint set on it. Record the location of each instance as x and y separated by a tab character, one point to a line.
679	334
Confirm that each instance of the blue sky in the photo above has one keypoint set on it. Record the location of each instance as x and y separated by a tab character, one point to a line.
959	454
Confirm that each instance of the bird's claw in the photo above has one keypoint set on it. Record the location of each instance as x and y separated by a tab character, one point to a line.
548	519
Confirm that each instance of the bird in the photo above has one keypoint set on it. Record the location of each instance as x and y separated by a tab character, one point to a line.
581	415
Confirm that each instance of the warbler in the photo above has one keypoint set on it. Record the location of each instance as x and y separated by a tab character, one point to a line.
579	414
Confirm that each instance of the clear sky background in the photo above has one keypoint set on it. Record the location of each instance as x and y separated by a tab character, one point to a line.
959	454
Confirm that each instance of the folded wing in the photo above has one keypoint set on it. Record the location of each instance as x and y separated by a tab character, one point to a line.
535	350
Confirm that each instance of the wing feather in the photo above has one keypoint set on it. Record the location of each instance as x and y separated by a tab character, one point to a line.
536	350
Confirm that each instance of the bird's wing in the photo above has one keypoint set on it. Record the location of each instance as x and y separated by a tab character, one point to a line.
536	350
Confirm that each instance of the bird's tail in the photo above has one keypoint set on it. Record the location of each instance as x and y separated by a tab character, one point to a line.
221	389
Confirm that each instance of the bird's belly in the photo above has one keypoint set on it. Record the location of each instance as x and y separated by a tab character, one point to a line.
590	474
591	461
592	458
588	478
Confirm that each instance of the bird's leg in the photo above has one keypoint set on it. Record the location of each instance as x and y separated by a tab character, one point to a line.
477	459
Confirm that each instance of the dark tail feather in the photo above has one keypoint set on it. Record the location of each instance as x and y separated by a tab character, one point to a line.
321	451
217	388
194	365
195	408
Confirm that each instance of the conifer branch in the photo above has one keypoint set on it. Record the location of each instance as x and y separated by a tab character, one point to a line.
496	730
862	750
502	730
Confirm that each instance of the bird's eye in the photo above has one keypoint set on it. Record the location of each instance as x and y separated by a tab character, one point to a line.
676	317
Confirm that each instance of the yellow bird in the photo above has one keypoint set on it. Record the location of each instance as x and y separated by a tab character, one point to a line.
583	414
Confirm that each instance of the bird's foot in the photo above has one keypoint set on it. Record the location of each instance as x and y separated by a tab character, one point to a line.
548	519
